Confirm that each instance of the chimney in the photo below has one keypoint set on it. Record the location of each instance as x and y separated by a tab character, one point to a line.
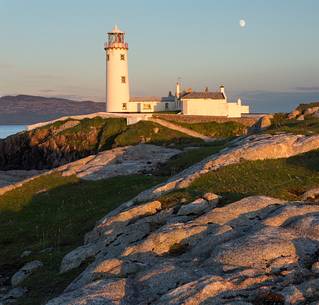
222	90
178	90
239	102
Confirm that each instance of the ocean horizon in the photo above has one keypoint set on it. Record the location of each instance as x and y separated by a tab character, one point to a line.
8	130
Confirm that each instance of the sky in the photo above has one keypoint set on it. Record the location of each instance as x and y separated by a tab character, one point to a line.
55	48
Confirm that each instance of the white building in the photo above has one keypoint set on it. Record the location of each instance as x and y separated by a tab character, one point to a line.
118	91
117	81
212	103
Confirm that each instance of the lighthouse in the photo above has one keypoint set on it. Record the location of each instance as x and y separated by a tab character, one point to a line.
117	82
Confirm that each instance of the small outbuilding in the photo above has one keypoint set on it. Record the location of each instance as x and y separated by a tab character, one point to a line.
212	104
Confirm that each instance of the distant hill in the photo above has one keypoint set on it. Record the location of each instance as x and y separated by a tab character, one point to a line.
27	109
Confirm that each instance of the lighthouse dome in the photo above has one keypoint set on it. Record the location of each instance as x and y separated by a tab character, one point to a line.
116	30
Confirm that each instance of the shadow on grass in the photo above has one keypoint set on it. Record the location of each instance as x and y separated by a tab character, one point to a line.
50	216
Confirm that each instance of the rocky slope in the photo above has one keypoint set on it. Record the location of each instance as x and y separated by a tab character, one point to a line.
63	142
121	161
259	250
254	147
27	109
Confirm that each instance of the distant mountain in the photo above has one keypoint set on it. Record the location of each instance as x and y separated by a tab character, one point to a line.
27	109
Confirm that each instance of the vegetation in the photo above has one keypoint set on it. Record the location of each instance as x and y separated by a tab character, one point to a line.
150	132
303	107
66	141
50	216
308	126
215	129
189	157
281	178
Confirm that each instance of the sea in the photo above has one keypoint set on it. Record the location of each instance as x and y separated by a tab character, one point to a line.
8	130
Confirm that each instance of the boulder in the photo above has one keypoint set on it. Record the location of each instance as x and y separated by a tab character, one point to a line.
13	294
212	199
295	113
196	207
254	147
102	292
258	250
311	194
310	111
25	253
25	272
264	122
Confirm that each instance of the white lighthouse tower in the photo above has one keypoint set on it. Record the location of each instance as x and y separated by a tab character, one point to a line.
117	82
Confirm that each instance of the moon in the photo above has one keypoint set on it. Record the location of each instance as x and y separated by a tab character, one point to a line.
242	23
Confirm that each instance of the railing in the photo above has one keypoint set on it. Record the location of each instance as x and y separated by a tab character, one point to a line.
116	45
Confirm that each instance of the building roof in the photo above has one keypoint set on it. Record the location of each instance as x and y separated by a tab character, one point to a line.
201	95
152	99
145	99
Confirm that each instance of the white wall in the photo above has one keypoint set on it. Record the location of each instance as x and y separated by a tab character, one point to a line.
213	108
116	91
150	106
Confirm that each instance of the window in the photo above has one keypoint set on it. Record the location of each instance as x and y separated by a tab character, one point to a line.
108	57
166	106
123	79
124	106
147	107
122	56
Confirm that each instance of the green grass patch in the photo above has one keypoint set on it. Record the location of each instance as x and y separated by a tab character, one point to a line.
281	178
189	157
150	132
215	129
308	126
50	216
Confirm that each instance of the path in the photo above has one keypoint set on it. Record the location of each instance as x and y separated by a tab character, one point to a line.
179	128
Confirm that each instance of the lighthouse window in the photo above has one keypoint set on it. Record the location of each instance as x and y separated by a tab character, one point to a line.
124	106
123	79
122	56
108	57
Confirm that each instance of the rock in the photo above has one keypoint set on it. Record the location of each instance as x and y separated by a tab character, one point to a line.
14	293
76	257
310	111
212	199
254	147
295	113
315	267
258	250
156	130
300	118
264	122
297	294
119	161
196	207
310	194
25	253
25	272
103	292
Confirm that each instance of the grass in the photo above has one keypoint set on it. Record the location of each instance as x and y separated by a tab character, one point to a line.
189	157
50	216
215	129
281	178
308	126
150	132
